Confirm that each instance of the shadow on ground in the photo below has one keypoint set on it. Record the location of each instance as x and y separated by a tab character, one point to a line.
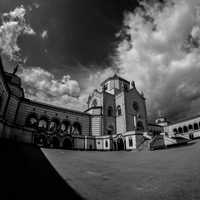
25	173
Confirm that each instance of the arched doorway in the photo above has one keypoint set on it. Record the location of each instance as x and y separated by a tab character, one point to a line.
120	144
32	120
40	140
76	129
55	143
67	144
65	128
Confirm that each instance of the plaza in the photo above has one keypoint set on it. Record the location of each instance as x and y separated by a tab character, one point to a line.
164	174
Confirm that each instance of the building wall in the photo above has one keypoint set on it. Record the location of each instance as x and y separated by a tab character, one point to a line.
11	111
3	96
27	108
96	123
96	95
109	100
103	143
121	120
141	115
134	144
154	129
194	123
3	100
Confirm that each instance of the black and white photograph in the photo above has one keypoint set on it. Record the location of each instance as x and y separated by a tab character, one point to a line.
100	99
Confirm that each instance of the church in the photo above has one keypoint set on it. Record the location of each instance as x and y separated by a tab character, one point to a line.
116	118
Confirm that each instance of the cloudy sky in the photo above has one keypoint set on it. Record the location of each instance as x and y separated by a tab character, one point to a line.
70	46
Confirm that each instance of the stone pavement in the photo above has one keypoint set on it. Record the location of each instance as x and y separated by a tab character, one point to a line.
170	174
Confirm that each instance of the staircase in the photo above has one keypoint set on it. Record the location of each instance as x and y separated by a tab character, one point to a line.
157	142
144	146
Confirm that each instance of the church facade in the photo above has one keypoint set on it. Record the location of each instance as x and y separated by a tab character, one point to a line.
116	118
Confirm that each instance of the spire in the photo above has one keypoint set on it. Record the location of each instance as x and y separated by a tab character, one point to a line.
133	84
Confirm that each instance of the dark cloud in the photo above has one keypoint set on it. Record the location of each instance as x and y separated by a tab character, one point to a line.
162	55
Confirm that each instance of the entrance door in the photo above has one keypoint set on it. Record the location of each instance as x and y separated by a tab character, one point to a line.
120	144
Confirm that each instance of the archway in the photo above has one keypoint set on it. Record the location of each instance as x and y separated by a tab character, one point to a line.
76	128
40	140
140	126
55	143
54	124
32	120
196	126
120	144
65	127
67	144
43	123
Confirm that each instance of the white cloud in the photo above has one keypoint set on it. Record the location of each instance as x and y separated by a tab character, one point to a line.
161	51
13	25
41	80
42	86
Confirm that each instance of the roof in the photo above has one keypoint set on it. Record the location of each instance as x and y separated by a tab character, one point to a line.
54	107
151	124
115	76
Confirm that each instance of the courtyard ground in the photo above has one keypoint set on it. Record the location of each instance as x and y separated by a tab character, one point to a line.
25	173
169	174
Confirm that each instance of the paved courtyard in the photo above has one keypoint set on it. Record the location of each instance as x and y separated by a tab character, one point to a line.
165	174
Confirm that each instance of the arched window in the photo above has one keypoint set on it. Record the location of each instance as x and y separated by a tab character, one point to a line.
65	127
175	130
185	129
76	128
106	143
110	111
140	126
130	140
135	106
180	130
32	120
94	103
54	124
196	126
190	127
119	110
110	130
43	123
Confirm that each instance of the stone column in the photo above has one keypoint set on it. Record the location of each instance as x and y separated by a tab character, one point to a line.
85	142
135	121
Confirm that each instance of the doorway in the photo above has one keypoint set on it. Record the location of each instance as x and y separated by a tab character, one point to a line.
120	144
